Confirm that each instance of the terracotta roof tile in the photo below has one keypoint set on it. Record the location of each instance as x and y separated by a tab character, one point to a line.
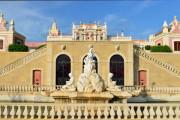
34	44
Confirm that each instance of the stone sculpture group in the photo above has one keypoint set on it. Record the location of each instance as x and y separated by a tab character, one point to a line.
89	80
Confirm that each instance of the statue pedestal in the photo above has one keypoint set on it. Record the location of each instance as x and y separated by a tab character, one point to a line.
122	95
82	97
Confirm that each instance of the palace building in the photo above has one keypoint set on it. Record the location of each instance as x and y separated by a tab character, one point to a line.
89	74
61	55
169	35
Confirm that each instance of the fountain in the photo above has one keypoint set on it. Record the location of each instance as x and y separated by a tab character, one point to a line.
90	87
89	80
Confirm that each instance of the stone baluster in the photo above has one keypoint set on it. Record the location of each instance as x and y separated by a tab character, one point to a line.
158	112
4	88
112	113
119	112
39	112
177	112
29	88
86	113
18	112
65	112
52	112
145	112
151	112
21	88
0	111
59	113
13	88
45	113
25	112
12	112
171	112
72	113
17	88
132	112
139	113
106	112
164	112
8	88
5	112
99	113
92	113
32	113
79	112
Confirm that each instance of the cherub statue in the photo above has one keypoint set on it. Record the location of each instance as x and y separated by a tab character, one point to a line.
69	84
111	85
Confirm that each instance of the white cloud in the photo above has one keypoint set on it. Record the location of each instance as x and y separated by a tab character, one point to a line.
114	17
116	23
143	5
31	21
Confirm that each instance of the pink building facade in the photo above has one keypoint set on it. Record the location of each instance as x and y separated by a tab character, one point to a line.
169	35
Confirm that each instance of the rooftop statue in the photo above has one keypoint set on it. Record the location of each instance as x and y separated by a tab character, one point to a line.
89	80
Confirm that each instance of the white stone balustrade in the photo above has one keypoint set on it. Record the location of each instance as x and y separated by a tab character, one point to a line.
31	88
163	90
146	111
28	88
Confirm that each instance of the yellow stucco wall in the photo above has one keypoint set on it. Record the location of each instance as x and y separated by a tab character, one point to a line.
77	50
103	50
23	75
8	57
155	74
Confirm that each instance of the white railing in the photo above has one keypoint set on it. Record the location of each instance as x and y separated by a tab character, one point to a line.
34	88
131	88
90	111
28	88
21	61
163	90
168	67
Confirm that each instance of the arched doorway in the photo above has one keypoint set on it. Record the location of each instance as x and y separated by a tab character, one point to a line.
63	68
96	63
117	68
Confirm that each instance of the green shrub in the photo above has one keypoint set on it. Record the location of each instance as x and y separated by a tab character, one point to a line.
164	48
147	47
18	48
41	46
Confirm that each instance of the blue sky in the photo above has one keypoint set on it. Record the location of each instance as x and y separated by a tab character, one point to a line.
137	18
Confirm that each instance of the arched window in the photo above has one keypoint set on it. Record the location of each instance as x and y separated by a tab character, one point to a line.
96	63
63	68
117	68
